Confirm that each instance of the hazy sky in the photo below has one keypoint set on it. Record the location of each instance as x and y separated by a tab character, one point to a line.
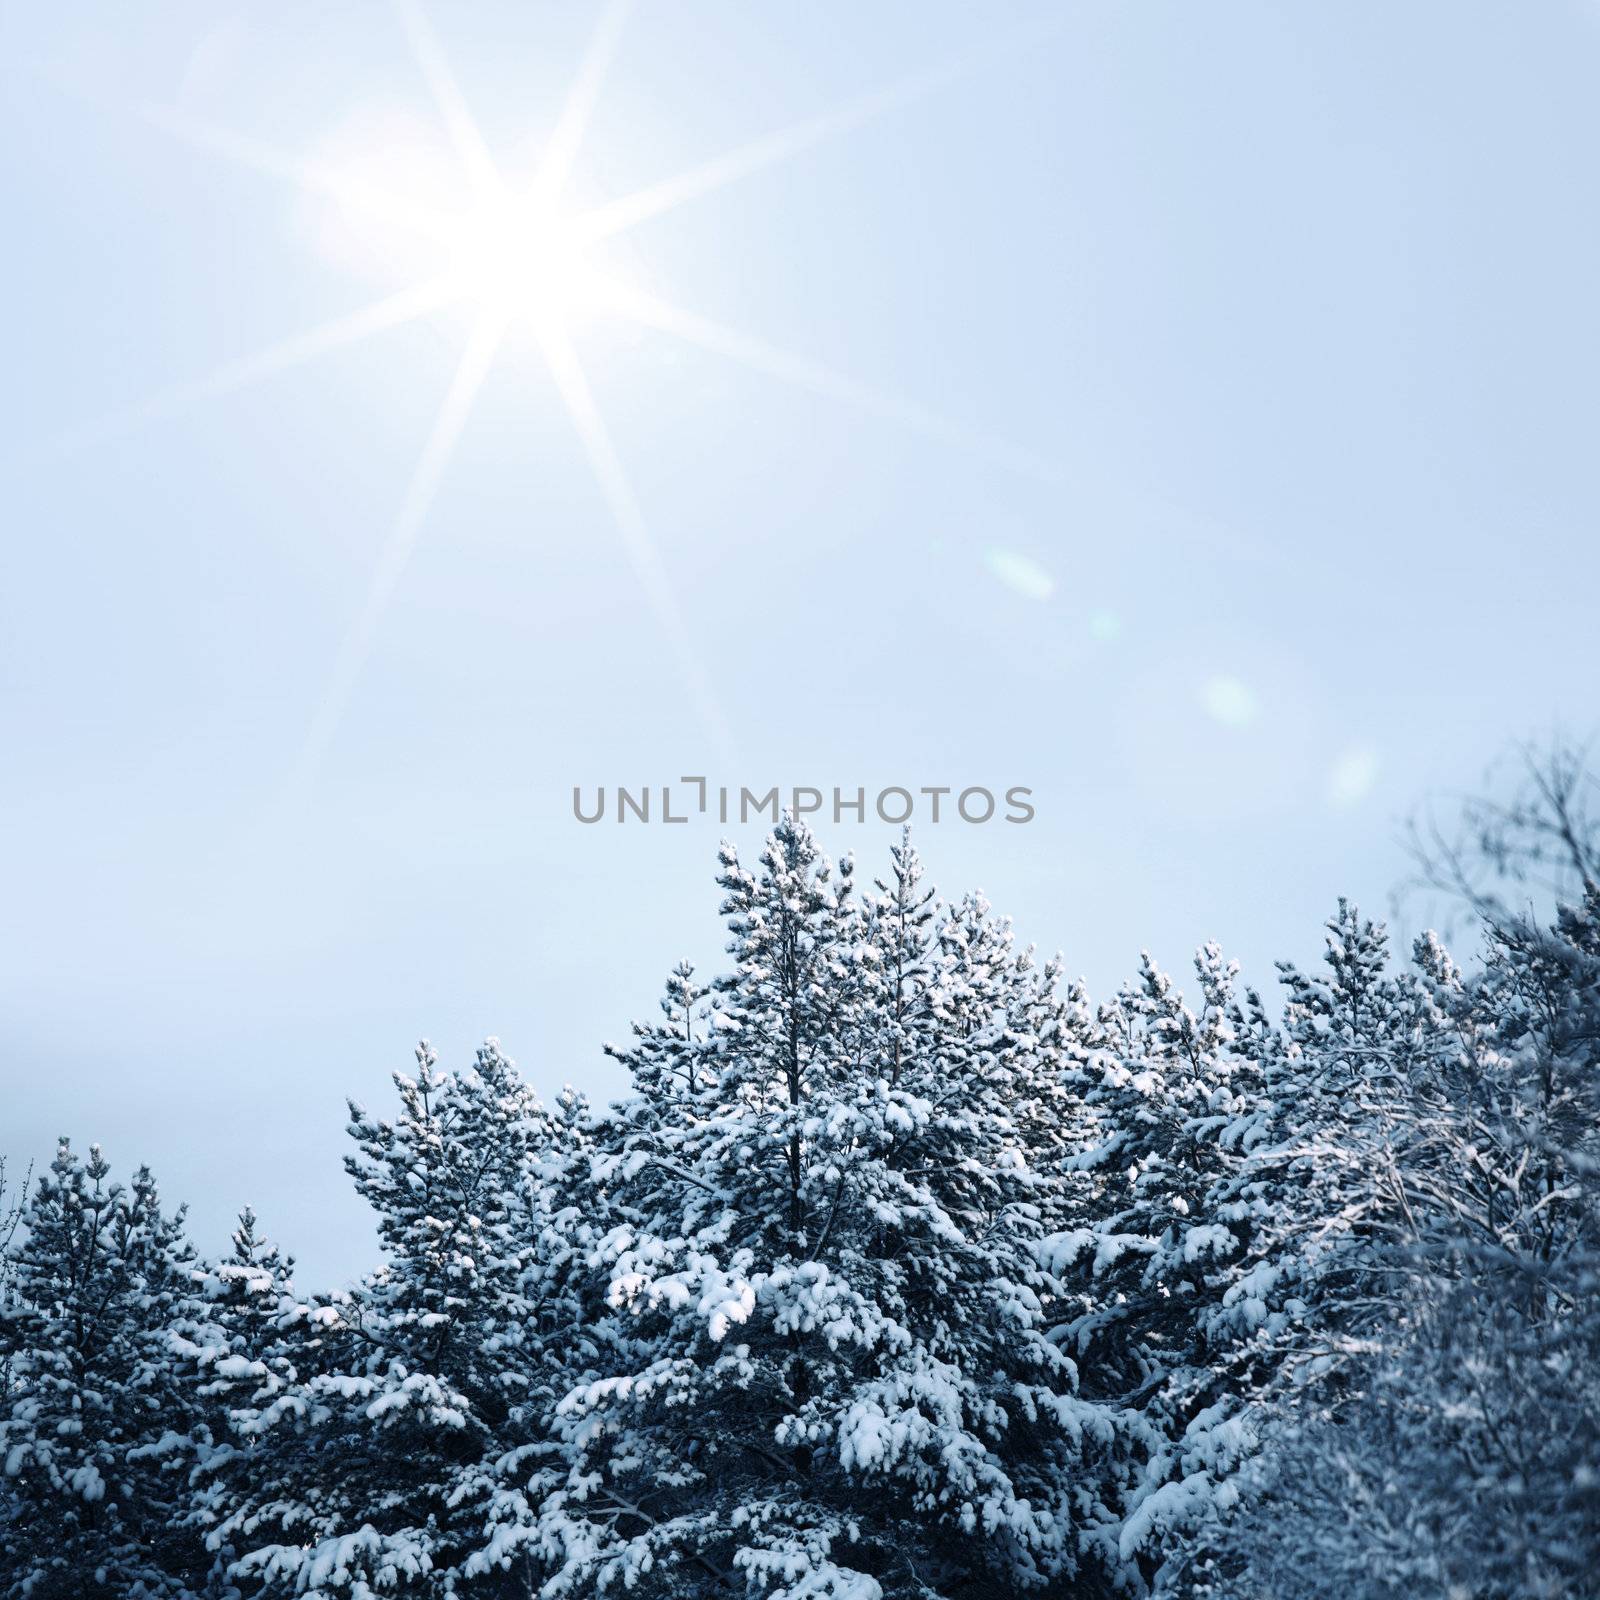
1185	411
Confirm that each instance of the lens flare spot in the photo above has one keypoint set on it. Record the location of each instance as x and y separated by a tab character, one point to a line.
1353	776
1229	701
1020	573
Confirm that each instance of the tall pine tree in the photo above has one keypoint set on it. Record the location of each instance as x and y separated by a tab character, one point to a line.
98	1436
825	1369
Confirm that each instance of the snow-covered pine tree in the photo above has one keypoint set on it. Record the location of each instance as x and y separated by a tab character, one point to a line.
98	1433
666	1061
824	1369
1357	1043
952	1211
1167	1216
1445	1441
1503	1346
371	1468
1319	1189
12	1206
231	1346
509	1486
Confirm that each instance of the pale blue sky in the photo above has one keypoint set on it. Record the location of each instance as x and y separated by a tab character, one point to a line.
1185	411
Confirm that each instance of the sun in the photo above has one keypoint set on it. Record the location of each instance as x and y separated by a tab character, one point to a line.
521	259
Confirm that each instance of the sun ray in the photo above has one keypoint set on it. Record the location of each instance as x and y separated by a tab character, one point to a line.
452	106
573	123
628	211
394	311
431	464
616	216
637	543
308	175
814	376
1139	506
